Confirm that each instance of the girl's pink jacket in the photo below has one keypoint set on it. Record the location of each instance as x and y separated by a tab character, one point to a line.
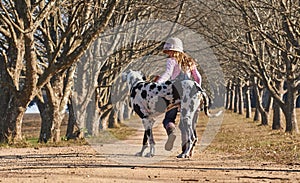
173	70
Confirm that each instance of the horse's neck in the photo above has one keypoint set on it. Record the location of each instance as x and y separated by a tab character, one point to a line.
137	81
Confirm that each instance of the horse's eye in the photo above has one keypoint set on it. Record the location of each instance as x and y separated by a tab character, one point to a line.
144	78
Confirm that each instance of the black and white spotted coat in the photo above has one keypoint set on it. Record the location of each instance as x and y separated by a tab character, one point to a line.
149	99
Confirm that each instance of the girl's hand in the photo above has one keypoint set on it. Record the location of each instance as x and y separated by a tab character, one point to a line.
156	78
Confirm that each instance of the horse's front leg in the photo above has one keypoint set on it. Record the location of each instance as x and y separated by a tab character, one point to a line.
151	142
145	144
148	124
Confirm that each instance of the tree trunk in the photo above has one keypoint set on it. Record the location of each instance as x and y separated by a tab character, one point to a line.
267	108
57	121
264	114
269	101
113	120
92	118
46	123
104	120
219	95
127	110
4	100
236	98
120	109
276	125
260	111
51	120
231	97
291	120
257	116
73	130
240	97
290	111
12	118
227	97
264	118
247	100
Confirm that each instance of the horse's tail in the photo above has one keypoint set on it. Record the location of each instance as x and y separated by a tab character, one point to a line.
206	101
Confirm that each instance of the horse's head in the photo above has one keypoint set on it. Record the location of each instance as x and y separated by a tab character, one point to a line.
132	77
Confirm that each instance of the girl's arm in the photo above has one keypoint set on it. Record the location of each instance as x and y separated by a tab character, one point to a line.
169	70
196	75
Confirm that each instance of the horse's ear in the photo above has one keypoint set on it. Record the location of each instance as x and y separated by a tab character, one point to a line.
144	78
124	76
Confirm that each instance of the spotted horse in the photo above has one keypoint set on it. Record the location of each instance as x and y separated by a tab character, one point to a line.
150	99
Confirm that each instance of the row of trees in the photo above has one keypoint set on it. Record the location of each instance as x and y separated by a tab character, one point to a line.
263	53
70	53
42	43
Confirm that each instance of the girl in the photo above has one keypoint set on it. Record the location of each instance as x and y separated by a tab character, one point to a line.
179	66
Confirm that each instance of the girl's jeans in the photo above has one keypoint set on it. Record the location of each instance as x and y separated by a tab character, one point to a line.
170	116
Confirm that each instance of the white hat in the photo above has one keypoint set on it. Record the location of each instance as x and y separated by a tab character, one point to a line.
174	44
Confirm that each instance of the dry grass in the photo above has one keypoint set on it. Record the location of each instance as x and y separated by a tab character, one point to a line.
31	129
247	140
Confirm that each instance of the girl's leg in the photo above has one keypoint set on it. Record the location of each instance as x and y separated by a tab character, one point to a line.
169	125
170	117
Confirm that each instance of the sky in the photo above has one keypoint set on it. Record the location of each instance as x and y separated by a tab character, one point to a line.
32	109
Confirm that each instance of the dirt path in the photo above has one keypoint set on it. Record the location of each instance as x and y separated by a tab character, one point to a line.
114	161
84	164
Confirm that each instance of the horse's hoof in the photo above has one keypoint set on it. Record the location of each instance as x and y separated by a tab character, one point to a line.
139	154
191	153
182	156
149	155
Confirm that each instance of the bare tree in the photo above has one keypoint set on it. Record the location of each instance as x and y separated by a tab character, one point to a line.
24	28
287	43
265	36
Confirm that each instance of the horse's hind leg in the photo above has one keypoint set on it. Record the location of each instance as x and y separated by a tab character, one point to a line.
195	120
188	133
187	137
189	145
184	138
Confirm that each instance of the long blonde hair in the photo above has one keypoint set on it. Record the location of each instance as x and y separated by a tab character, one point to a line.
186	62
